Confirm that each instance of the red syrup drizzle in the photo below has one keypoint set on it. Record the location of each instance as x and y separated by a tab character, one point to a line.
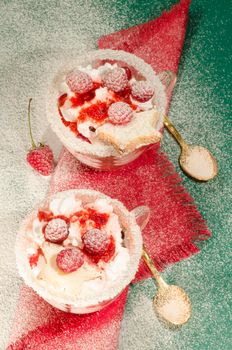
97	112
72	125
33	259
99	219
44	215
48	216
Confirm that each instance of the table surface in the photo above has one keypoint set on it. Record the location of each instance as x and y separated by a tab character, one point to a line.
35	32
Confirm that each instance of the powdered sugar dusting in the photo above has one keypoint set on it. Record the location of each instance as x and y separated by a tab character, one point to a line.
32	40
31	34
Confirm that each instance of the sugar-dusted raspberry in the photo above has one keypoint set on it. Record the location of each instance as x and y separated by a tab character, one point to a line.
56	231
79	82
96	242
70	259
142	91
120	113
116	80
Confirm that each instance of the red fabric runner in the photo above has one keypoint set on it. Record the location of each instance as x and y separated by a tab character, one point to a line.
175	222
159	42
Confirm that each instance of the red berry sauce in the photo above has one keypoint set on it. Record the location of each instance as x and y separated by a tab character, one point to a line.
99	219
33	259
62	99
97	112
44	215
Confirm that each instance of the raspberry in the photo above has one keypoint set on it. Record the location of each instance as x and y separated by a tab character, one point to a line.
79	82
142	91
41	160
116	80
70	259
56	231
39	157
96	242
120	113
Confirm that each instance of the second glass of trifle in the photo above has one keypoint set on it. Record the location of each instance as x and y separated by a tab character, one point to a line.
79	250
106	107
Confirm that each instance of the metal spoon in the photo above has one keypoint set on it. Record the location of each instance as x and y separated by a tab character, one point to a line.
196	161
171	302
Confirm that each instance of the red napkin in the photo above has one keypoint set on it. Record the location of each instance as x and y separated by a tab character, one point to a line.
159	42
175	222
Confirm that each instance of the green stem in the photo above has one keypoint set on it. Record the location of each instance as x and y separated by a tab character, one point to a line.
29	123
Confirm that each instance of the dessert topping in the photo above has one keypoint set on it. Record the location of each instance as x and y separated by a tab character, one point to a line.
120	113
56	231
142	91
116	80
79	82
70	259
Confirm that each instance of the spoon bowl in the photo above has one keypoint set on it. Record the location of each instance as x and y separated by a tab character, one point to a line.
171	302
172	305
198	162
195	161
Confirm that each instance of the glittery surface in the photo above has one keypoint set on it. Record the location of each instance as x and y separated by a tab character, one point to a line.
33	33
167	237
59	330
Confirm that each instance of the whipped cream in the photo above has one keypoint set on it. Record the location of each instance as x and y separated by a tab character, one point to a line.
66	206
92	278
97	73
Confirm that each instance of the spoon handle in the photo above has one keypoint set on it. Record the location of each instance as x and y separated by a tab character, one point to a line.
159	280
171	128
142	215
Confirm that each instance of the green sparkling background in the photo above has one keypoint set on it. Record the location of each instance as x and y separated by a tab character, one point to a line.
200	109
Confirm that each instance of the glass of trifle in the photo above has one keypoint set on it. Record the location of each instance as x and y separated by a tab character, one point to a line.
106	107
79	249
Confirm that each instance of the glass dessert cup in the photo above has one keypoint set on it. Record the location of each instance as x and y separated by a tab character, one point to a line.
81	303
103	156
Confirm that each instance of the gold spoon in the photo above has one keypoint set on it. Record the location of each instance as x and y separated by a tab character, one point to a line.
171	302
196	161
